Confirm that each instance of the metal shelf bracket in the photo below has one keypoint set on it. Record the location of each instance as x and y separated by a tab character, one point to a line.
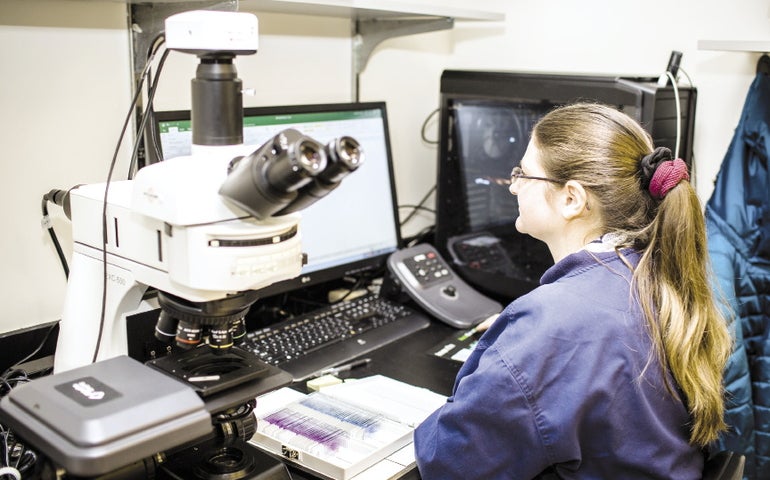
369	33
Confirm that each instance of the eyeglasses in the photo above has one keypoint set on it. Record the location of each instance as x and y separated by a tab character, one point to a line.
517	173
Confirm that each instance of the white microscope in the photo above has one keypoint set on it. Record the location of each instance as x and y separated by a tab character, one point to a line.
207	231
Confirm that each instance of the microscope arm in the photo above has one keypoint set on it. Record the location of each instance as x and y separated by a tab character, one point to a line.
80	333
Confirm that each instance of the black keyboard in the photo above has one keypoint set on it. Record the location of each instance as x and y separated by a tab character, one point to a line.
307	344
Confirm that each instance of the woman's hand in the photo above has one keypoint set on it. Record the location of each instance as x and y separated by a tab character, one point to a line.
486	323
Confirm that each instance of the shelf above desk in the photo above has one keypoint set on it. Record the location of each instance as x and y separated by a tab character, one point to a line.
368	9
759	46
373	21
353	9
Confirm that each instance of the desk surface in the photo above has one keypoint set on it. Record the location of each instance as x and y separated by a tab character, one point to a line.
406	360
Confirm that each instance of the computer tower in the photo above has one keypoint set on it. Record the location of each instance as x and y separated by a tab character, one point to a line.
485	121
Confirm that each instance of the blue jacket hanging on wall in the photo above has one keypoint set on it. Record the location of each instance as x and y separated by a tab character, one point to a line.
738	221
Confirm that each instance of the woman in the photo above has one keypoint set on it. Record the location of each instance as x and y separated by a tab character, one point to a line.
612	367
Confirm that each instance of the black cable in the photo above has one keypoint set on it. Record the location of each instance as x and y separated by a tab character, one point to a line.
150	111
150	97
126	122
419	236
49	226
154	134
4	434
418	206
39	347
154	140
15	455
11	379
8	443
425	125
359	282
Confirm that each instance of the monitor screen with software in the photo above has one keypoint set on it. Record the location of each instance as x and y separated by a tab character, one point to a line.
355	227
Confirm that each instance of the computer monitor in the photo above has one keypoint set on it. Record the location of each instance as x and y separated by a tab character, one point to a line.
486	118
354	228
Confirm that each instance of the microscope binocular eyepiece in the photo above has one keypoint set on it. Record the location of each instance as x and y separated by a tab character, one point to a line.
344	155
267	180
289	173
294	162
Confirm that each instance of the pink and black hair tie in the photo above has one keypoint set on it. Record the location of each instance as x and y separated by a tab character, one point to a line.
661	173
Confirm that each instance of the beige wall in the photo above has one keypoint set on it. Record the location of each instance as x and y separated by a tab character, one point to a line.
65	88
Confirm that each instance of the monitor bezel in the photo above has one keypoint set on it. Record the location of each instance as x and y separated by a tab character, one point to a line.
372	264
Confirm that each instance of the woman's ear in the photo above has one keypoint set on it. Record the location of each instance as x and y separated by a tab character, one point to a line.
575	200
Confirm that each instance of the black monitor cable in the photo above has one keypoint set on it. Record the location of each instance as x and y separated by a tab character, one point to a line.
420	236
420	206
417	208
364	280
425	125
415	239
143	121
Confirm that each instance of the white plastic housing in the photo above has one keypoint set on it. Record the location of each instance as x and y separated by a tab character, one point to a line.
210	31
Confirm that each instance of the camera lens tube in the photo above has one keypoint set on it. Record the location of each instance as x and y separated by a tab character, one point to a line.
217	103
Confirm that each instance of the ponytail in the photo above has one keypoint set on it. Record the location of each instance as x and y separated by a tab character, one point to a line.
672	277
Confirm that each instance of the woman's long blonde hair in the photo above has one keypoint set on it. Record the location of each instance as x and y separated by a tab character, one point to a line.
602	148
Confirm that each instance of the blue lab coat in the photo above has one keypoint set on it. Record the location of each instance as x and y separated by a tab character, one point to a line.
561	383
738	221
